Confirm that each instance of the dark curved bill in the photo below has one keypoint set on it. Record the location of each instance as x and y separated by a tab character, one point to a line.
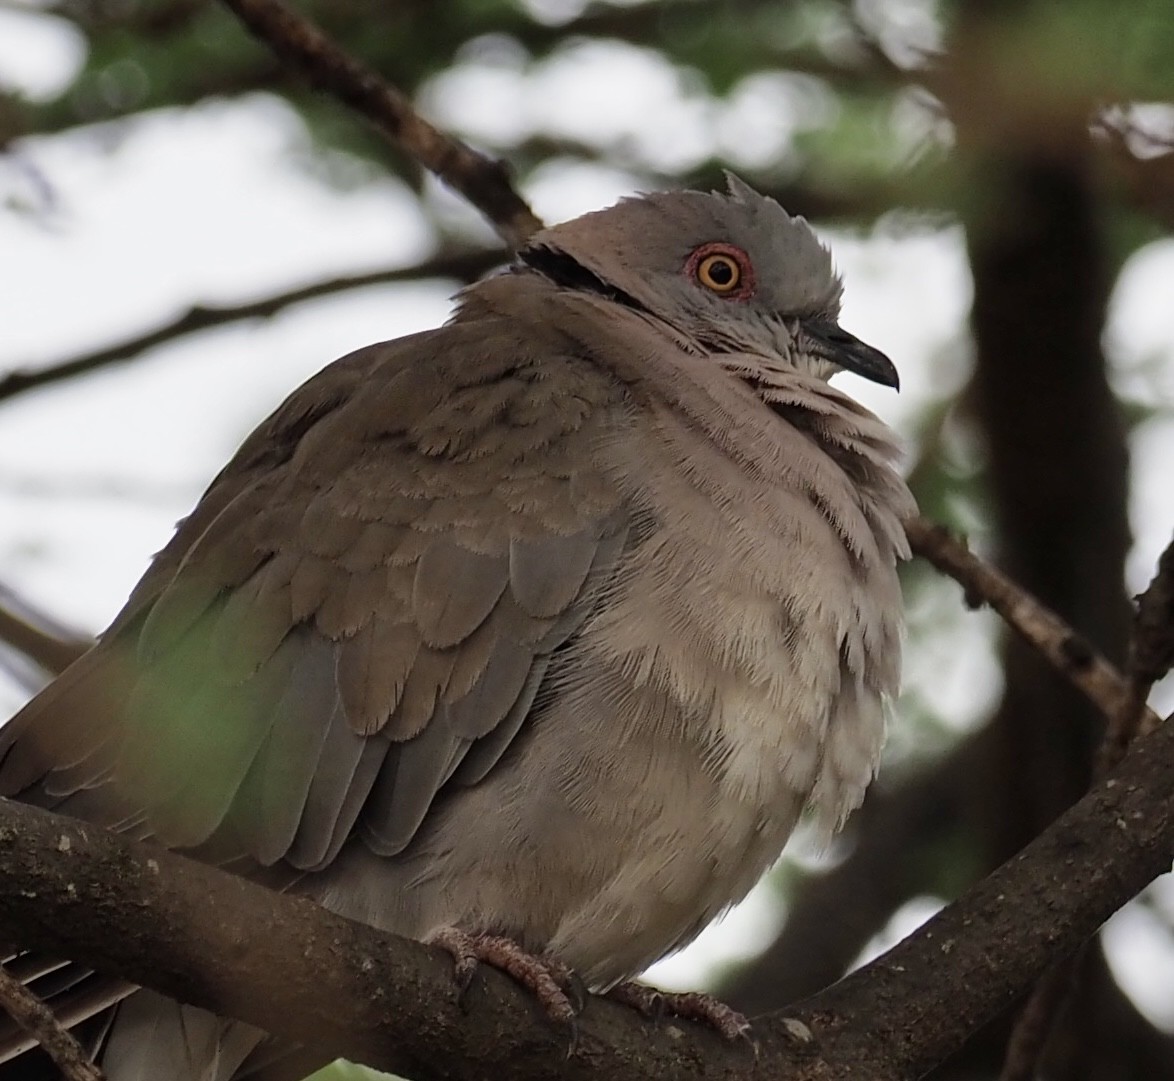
830	340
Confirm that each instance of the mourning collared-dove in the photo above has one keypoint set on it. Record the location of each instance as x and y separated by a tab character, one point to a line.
545	625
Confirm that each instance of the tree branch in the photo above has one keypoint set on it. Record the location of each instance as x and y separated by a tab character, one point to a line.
1151	654
38	1021
305	48
1069	652
283	963
216	940
462	265
972	960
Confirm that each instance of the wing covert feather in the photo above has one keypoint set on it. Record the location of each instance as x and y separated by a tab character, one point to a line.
372	671
454	590
547	572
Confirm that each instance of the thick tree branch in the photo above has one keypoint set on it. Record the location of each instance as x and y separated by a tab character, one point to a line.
210	938
283	963
462	265
1071	654
305	48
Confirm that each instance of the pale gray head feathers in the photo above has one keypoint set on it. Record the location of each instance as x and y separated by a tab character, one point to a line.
646	252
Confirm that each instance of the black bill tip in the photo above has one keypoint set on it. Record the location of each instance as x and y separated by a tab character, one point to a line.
831	341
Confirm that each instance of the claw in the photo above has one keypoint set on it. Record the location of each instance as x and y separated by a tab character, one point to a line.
553	984
688	1005
562	994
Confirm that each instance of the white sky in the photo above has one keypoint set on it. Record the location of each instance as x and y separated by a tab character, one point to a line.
205	206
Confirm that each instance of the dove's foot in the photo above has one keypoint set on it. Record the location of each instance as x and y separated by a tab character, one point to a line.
689	1005
558	990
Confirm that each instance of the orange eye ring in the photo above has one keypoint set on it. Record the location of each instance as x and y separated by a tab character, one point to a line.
723	269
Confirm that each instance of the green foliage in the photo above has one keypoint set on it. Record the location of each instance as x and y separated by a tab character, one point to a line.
1089	49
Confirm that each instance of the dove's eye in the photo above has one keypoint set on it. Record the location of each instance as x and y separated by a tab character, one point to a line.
719	273
722	269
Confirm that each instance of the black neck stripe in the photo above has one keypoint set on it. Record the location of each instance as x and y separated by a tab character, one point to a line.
564	270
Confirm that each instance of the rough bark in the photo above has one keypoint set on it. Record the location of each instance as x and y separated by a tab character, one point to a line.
283	963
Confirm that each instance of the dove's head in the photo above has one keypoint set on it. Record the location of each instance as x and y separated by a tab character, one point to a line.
733	273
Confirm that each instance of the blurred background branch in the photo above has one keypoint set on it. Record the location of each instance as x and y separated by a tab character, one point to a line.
36	635
1063	647
462	266
304	48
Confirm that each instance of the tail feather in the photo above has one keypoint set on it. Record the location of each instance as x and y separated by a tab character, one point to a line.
156	1037
138	1035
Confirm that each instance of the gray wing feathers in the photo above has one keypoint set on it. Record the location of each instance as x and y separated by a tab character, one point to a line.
429	676
374	755
360	611
332	779
62	727
254	622
182	584
276	791
196	743
485	753
412	774
309	586
492	696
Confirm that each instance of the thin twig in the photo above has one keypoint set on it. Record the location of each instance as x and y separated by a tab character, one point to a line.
463	265
38	1021
484	181
1151	655
1069	652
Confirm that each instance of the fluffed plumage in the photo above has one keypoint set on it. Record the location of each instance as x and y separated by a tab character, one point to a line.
549	623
